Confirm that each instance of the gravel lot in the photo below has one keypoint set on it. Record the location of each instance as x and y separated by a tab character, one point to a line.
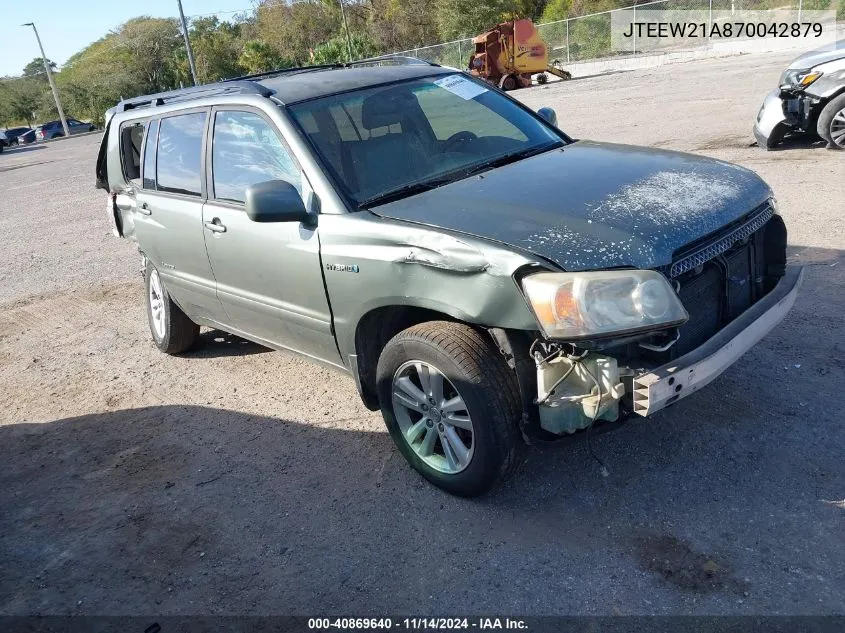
237	480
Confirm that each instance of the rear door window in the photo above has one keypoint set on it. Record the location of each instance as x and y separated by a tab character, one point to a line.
179	157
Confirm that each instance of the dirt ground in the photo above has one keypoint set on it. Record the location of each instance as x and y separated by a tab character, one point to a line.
236	480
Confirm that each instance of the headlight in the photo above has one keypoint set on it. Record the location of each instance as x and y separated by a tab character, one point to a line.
594	304
806	78
799	78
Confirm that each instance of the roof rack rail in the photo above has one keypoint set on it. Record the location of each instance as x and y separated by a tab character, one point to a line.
219	88
399	60
283	71
248	84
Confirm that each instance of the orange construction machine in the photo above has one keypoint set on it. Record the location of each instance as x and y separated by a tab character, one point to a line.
510	53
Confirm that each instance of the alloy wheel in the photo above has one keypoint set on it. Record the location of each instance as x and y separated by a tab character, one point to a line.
433	417
157	304
837	128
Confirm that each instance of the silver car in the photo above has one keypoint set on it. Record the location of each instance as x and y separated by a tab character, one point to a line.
484	278
810	98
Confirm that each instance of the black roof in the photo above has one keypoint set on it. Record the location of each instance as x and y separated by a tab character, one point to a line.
302	86
292	85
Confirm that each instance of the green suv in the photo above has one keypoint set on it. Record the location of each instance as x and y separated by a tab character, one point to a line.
485	279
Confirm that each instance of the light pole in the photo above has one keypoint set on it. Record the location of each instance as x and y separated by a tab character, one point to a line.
50	79
187	43
346	27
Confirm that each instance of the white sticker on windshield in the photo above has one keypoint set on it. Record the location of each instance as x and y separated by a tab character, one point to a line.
461	86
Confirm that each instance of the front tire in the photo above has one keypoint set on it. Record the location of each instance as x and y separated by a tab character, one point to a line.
173	332
451	405
831	123
509	83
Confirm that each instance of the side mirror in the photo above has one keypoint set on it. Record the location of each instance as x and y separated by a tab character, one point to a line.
549	115
275	201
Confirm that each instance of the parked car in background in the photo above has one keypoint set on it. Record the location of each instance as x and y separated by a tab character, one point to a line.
15	134
3	141
482	276
53	129
810	98
27	137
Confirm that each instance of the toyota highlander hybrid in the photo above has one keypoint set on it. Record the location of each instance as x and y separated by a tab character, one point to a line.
486	279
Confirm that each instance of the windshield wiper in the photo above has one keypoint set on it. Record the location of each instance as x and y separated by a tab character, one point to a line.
507	159
403	192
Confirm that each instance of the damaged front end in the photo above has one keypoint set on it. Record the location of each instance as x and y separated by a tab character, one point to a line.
785	111
733	287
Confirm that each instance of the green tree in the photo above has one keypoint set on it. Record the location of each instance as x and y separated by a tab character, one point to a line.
336	50
35	68
294	30
397	25
139	57
20	98
259	57
148	46
556	10
217	47
467	18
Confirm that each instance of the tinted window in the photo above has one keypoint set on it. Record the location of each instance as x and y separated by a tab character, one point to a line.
150	157
246	150
180	153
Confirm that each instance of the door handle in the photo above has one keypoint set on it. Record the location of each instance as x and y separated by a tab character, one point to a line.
145	209
215	226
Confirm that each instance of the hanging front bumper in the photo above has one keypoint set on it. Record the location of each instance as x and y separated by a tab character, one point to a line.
665	385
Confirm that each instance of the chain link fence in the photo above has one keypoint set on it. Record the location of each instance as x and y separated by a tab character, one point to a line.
587	37
454	54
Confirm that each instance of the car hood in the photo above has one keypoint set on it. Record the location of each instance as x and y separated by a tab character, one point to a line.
820	56
592	205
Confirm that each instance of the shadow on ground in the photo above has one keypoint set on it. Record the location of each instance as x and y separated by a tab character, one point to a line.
216	343
717	505
22	149
800	141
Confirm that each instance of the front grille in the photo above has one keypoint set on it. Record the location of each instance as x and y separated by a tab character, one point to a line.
717	290
723	242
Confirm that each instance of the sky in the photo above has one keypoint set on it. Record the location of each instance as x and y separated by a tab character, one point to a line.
67	27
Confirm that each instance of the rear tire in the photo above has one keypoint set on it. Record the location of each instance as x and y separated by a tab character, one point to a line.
173	332
478	401
831	123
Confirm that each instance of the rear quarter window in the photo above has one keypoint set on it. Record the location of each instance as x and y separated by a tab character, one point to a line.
131	140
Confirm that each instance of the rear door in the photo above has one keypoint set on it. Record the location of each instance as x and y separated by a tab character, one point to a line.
168	221
268	274
123	207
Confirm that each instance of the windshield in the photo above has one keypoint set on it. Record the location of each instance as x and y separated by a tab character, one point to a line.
391	141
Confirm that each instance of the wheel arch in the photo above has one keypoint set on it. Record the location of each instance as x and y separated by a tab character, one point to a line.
372	332
377	326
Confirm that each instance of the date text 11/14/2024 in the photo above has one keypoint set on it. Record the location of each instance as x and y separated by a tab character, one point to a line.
418	624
